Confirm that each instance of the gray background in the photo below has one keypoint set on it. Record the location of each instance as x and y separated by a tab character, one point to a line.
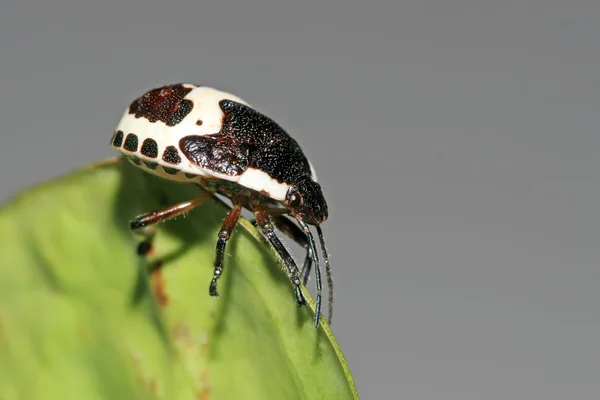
456	140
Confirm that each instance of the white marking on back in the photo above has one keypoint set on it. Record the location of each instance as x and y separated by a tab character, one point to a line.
313	173
206	108
258	180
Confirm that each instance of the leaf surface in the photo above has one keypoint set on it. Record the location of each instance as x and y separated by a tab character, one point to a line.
82	317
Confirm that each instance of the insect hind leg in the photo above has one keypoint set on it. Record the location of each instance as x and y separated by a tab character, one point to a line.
145	224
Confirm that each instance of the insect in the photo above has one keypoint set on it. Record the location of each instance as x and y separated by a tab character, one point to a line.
200	135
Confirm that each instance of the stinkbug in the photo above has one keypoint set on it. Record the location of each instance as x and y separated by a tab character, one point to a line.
197	134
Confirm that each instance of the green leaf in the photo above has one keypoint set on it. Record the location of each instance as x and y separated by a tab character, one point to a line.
82	318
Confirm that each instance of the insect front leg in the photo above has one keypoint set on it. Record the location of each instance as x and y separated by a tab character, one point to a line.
224	234
294	232
297	234
264	222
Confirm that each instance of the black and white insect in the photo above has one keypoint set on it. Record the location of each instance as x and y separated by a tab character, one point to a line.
201	135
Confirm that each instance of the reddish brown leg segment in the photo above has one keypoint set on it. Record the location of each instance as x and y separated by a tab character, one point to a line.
165	214
146	220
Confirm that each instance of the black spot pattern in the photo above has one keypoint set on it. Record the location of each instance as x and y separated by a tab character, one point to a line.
164	104
149	148
171	155
170	171
181	111
118	139
135	160
150	164
131	142
190	176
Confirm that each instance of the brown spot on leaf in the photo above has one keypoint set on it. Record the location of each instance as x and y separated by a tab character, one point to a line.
153	386
204	393
182	332
158	286
144	381
84	332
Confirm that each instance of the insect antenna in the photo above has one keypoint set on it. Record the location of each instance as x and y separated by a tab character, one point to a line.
327	273
315	259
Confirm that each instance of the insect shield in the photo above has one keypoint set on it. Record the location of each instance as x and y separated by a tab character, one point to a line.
203	136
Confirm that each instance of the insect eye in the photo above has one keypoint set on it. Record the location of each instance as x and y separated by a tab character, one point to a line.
295	199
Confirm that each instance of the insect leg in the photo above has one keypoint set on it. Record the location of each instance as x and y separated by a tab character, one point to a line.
142	223
315	256
264	221
224	234
294	232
